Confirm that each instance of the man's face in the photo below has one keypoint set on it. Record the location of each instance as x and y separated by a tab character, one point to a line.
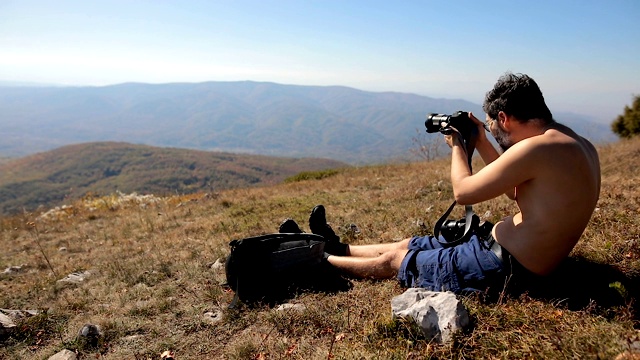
501	136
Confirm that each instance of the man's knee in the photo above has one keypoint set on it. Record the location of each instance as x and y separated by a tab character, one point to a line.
404	244
392	260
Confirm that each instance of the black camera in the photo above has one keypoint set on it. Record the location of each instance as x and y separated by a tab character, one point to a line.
443	123
453	229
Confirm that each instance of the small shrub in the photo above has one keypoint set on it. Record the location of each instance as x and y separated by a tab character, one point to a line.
311	175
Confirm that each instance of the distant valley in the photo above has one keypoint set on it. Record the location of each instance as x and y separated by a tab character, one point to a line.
70	172
335	122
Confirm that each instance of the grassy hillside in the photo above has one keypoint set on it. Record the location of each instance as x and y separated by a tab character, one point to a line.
152	282
71	172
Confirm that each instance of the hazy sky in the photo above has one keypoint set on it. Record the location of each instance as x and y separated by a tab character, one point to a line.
584	54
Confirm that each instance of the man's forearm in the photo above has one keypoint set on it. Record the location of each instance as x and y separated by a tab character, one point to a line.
487	152
460	169
459	165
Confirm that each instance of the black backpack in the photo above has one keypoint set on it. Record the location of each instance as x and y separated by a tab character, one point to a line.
270	268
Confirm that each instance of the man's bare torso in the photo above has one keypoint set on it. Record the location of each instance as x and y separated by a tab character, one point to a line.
556	204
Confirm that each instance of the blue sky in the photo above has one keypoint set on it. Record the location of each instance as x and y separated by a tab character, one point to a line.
585	55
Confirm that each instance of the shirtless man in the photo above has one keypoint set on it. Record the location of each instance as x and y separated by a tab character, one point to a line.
551	172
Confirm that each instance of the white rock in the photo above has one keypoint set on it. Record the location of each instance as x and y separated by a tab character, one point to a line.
132	338
9	317
19	314
6	324
14	269
218	265
64	355
439	314
213	317
75	278
291	307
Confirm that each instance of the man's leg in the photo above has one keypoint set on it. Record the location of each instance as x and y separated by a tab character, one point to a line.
375	250
384	266
319	226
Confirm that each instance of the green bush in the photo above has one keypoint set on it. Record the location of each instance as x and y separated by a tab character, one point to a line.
311	175
627	125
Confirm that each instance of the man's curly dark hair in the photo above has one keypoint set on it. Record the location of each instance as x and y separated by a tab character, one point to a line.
517	95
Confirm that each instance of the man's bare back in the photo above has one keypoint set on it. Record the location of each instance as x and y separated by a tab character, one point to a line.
556	201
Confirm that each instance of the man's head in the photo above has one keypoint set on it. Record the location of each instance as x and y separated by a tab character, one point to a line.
517	95
501	135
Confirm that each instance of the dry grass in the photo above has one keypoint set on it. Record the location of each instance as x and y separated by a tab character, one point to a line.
151	277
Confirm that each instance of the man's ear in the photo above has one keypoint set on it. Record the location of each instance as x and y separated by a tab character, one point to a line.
503	120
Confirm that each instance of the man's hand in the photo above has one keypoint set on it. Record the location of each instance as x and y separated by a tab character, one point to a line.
454	138
482	136
451	139
483	145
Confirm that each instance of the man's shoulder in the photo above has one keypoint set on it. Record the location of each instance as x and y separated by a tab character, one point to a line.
532	145
553	140
541	150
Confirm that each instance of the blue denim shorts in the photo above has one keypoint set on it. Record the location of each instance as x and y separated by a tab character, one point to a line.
467	267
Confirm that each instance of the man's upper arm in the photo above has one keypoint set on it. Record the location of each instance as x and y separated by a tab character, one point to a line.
512	168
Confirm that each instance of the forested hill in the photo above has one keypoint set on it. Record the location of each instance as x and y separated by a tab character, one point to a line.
69	172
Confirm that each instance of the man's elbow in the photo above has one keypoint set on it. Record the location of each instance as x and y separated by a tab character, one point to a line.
462	198
540	268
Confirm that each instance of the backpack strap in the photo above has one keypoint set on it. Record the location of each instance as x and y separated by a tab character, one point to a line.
236	298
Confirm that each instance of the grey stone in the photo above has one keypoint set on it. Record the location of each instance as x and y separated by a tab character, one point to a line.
9	317
213	317
90	331
218	265
132	338
64	355
75	278
439	314
19	314
14	269
291	307
6	325
218	268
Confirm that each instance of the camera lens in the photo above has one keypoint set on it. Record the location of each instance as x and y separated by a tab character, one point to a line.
434	122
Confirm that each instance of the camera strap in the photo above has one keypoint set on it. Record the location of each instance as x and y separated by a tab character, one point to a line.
471	219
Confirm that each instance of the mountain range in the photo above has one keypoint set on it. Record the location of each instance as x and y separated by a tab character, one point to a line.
241	117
